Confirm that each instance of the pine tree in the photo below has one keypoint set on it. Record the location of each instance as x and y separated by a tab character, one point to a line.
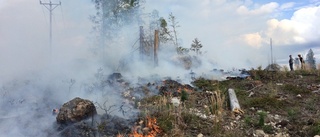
174	24
196	46
310	59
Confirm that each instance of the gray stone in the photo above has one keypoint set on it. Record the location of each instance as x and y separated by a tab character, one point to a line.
76	110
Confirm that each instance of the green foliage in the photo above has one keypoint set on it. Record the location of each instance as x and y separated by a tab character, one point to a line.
184	95
165	122
262	116
248	120
264	102
268	129
268	75
205	85
293	89
182	50
189	118
164	33
315	129
292	114
196	46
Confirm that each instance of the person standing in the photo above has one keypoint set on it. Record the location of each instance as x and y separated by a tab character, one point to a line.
301	61
291	62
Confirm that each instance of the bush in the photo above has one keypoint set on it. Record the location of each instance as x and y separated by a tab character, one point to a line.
184	96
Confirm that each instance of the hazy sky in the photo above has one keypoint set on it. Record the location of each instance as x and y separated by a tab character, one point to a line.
234	33
239	31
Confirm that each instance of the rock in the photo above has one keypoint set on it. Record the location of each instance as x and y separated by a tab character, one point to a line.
260	133
200	135
282	123
250	95
76	110
298	96
175	101
281	135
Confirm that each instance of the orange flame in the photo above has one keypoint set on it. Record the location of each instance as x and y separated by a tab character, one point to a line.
151	125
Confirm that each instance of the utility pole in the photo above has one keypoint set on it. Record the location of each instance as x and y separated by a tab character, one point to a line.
271	51
50	6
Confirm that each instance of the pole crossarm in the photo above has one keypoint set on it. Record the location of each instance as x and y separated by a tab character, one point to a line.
50	6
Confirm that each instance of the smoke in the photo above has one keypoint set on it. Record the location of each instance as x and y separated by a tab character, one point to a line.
36	78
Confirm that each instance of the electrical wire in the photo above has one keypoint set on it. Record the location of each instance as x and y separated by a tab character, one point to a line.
62	14
45	17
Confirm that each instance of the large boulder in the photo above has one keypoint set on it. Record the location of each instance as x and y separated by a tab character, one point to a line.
76	110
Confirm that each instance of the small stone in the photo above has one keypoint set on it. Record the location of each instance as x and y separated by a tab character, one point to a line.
200	135
251	94
140	122
260	133
282	123
238	117
299	96
175	101
276	117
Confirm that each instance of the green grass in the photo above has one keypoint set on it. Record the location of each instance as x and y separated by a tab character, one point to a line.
293	89
263	103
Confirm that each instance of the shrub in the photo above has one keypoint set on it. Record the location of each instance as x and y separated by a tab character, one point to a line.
262	116
184	96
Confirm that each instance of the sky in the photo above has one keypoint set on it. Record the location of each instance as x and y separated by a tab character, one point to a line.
237	33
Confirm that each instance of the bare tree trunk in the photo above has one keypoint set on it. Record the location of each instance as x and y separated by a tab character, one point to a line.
156	47
234	103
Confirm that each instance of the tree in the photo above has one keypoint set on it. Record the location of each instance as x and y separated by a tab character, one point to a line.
111	16
196	46
310	59
182	50
164	35
174	24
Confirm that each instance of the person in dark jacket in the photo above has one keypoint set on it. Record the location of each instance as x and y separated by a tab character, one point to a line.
291	62
301	61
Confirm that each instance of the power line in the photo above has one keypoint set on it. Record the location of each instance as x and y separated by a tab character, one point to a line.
50	6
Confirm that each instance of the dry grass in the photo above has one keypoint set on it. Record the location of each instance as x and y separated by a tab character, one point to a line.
217	102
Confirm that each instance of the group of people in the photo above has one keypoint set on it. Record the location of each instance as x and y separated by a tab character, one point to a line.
291	62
